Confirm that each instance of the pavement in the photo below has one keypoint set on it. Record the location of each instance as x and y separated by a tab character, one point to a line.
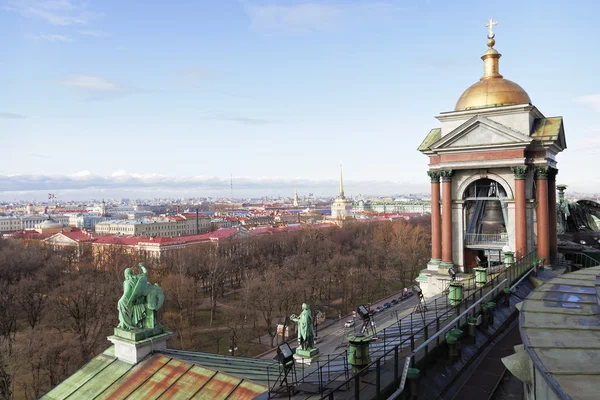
331	334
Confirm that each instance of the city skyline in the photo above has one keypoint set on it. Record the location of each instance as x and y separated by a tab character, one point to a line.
103	98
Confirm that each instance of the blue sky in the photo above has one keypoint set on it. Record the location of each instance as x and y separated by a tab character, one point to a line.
172	98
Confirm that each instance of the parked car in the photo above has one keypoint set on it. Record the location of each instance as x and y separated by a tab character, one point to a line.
394	302
387	305
349	324
378	309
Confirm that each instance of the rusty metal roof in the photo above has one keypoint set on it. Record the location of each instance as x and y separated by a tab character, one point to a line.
547	129
106	377
433	136
560	328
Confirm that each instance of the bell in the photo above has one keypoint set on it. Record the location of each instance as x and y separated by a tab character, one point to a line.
493	220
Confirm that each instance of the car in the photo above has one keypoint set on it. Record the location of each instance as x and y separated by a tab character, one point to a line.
410	294
349	324
387	305
394	302
379	309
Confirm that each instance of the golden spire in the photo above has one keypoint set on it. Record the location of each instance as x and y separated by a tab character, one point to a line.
491	56
341	183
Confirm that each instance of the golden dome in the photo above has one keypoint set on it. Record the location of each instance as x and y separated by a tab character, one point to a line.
491	93
492	90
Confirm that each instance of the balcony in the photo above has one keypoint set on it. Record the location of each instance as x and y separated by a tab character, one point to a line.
475	239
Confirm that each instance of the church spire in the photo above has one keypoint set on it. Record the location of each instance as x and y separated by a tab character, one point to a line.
491	56
341	183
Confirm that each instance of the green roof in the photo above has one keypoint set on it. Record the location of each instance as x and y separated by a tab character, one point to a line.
560	327
433	136
159	375
546	129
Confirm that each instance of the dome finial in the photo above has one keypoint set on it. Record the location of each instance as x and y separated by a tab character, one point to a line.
491	42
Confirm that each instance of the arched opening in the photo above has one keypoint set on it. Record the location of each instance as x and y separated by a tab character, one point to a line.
485	217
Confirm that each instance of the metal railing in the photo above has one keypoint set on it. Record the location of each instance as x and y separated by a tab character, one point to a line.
411	358
429	332
514	275
574	261
486	238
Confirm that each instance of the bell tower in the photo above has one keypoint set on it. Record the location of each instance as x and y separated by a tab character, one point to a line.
494	161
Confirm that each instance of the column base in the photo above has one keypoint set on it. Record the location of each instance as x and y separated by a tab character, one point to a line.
444	267
433	264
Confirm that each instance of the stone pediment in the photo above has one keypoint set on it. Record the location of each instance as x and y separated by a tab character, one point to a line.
481	133
60	239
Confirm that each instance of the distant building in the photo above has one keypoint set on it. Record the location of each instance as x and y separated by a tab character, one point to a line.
178	225
50	226
151	246
422	207
362	206
86	220
9	224
29	222
341	209
286	218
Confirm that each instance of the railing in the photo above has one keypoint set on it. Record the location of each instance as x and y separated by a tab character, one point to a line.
574	261
485	238
514	275
430	332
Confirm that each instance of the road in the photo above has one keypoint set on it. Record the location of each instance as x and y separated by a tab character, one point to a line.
332	339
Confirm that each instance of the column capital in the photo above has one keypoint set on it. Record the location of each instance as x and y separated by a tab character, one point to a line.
446	175
434	175
541	172
520	171
552	172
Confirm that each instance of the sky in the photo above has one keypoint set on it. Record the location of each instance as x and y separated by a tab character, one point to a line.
148	98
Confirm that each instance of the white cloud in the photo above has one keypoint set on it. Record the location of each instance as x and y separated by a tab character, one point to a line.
239	119
55	12
310	16
95	83
53	37
84	182
9	115
96	34
592	100
297	18
99	88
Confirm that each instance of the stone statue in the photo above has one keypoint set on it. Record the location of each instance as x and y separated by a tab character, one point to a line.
140	301
306	333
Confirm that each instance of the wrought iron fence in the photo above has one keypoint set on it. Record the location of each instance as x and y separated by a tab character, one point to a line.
425	338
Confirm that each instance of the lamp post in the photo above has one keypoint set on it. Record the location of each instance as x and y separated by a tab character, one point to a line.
233	344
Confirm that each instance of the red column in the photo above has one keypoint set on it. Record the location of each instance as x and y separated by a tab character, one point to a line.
520	213
543	236
436	228
552	212
447	217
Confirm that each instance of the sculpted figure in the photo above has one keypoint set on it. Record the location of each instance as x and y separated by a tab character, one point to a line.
306	333
140	300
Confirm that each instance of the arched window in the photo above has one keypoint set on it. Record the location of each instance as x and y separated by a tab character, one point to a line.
485	213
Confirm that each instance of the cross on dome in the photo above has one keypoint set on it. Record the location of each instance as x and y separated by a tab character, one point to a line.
491	24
